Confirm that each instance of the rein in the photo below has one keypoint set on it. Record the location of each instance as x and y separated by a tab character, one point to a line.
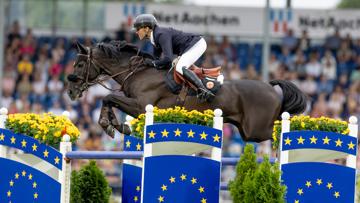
100	81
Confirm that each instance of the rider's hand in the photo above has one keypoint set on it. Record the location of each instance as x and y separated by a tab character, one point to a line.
149	62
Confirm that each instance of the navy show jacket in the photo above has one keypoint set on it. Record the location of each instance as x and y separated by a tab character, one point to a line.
171	42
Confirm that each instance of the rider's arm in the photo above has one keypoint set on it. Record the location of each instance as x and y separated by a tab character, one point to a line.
167	49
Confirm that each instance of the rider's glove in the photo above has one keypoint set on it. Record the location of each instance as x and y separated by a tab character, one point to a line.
149	62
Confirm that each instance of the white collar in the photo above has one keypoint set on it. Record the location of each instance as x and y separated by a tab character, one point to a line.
152	38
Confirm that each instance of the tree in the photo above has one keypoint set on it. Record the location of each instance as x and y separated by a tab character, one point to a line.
89	185
256	183
349	4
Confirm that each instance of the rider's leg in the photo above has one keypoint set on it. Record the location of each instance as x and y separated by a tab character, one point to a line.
186	60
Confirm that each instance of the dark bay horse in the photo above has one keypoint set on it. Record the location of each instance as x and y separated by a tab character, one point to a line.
252	106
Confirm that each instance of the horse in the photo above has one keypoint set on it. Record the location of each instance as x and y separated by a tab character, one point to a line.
251	105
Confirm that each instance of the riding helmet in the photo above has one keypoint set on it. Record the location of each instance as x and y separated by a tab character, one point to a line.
145	20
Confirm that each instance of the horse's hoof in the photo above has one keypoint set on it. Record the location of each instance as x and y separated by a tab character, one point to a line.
110	130
103	122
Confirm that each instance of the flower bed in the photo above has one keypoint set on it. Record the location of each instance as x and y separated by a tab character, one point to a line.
173	115
47	128
306	123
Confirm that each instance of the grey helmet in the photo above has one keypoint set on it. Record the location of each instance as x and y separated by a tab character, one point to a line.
145	20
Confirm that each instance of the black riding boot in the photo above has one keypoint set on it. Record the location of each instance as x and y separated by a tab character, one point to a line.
203	93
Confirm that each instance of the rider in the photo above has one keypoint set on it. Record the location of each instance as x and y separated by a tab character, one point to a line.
169	41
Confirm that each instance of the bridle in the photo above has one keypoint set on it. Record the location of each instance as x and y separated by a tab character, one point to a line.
90	61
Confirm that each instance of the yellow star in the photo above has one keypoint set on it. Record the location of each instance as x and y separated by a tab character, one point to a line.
16	176
36	195
23	143
161	198
313	140
151	134
203	136
2	137
216	138
56	160
329	185
351	145
46	153
172	180
326	140
300	191
164	187
201	189
164	133
300	140
308	184
203	200
183	177
191	133
128	143
11	183
13	140
138	188
34	185
177	132
338	143
34	147
9	193
336	194
138	146
296	201
319	181
136	199
23	173
30	177
193	180
288	141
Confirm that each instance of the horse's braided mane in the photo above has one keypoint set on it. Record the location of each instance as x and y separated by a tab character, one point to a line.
115	47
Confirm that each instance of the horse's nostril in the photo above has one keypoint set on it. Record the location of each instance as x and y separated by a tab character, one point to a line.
69	92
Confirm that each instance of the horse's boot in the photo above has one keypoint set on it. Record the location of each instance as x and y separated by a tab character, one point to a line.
202	92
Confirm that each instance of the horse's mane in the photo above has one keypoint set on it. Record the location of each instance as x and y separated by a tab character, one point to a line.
115	47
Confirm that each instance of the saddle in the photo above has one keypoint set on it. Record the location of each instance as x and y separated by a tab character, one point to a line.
211	78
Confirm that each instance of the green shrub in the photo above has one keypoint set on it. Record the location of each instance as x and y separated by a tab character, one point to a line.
256	183
89	185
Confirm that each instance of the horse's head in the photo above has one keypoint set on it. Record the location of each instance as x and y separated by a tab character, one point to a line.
85	72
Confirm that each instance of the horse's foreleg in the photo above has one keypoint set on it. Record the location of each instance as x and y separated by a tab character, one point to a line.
125	104
104	120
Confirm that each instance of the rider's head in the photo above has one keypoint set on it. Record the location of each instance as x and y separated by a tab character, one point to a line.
144	24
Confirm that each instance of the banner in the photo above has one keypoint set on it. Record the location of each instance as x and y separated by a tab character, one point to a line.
237	21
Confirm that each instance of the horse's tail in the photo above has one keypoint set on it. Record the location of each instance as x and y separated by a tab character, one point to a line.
294	100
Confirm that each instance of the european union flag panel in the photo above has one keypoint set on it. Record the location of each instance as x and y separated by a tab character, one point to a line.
20	183
319	140
183	133
179	179
318	182
31	146
132	143
131	184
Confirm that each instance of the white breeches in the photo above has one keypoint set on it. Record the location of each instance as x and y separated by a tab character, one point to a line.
191	56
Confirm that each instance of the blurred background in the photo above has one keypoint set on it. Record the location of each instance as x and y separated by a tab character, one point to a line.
314	44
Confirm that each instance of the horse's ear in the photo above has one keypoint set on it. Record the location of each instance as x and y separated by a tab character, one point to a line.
81	48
